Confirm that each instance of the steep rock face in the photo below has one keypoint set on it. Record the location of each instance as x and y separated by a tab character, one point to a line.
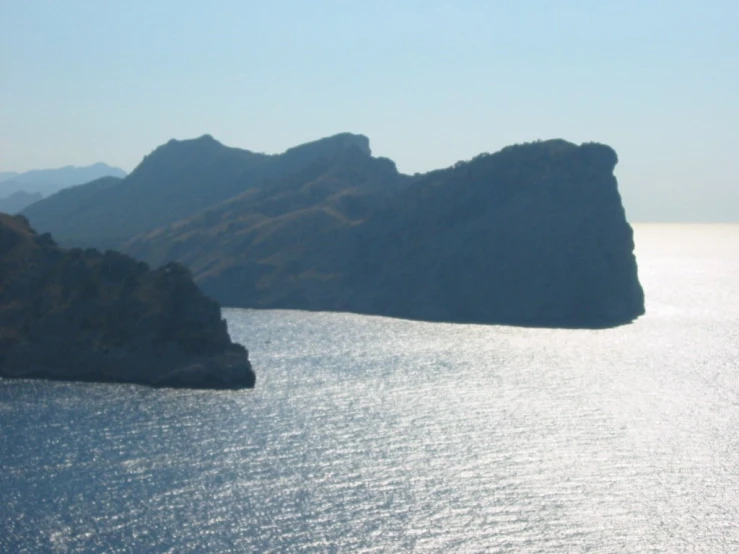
533	235
88	316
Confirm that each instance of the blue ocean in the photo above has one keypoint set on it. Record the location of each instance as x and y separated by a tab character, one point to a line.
370	434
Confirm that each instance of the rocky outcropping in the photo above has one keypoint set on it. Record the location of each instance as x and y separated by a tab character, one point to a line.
90	316
533	235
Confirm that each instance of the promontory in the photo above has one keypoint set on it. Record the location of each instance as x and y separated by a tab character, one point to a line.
534	234
85	315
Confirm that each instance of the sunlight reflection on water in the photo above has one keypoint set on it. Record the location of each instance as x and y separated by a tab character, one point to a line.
373	434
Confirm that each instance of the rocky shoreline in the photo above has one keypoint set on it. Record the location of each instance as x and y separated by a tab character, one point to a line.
84	315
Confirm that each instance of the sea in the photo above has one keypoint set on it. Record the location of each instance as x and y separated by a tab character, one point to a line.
371	434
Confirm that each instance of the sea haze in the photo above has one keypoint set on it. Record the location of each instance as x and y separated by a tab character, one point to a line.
369	434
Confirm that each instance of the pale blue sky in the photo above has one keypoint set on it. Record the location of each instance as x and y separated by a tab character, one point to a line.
429	82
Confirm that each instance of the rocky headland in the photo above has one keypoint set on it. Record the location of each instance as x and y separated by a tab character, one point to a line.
534	234
84	315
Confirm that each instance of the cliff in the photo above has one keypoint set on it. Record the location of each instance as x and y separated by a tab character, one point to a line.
533	235
89	316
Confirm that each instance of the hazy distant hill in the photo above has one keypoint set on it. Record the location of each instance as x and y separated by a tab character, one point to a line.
48	181
17	201
175	181
534	234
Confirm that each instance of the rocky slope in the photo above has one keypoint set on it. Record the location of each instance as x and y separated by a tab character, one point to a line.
279	245
175	181
88	316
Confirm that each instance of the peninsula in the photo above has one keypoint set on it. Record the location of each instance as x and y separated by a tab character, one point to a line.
534	234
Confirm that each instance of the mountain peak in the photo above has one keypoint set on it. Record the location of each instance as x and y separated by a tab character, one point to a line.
182	152
328	147
202	140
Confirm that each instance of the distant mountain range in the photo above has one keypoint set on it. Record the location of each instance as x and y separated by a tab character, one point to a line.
7	175
18	190
18	200
533	235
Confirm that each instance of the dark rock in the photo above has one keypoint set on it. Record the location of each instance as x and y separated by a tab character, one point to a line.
88	316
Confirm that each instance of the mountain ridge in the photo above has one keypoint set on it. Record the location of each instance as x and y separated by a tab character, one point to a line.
174	181
534	234
20	190
48	181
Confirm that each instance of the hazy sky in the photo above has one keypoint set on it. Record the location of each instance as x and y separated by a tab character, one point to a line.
429	82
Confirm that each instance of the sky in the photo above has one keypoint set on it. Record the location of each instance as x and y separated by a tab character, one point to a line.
430	82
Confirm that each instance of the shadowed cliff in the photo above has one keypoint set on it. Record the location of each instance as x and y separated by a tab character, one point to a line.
533	235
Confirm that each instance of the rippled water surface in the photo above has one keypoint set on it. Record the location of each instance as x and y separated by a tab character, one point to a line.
368	434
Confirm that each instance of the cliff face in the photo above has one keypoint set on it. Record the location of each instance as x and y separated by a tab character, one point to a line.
88	316
533	235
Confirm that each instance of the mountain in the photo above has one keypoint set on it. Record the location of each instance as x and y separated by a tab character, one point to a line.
48	181
87	316
178	179
534	234
18	201
281	231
